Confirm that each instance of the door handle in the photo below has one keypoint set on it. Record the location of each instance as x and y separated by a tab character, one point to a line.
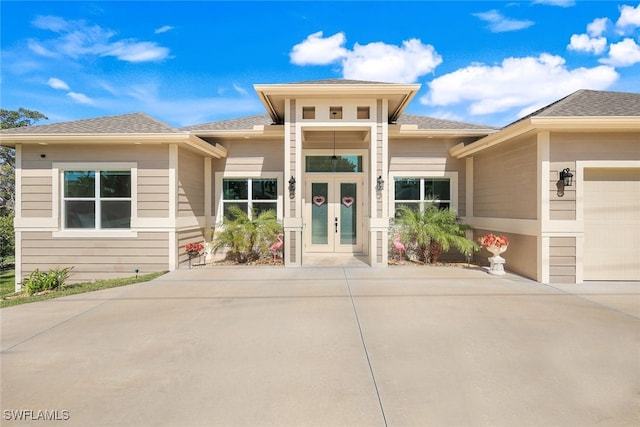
336	223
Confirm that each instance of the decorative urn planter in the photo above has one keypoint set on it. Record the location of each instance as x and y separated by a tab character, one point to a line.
497	245
497	262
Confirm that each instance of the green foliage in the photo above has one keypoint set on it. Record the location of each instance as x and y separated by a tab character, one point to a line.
7	238
12	119
247	237
433	231
52	280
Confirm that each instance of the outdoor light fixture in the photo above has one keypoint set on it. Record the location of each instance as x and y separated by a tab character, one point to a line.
380	183
566	180
292	184
566	177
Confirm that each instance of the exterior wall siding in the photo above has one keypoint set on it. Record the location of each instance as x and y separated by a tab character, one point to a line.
190	184
432	156
504	180
94	258
562	259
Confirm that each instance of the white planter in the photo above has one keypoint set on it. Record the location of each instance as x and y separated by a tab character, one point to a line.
497	262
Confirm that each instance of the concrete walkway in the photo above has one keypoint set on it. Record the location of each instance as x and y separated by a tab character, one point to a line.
269	346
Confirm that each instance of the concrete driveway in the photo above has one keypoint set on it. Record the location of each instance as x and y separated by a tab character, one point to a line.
261	346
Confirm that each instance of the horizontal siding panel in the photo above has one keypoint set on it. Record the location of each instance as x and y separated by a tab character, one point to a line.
562	251
563	241
98	251
562	279
35	198
562	271
153	181
563	261
562	215
28	211
152	197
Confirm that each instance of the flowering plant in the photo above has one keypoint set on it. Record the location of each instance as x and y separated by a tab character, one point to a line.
194	247
493	240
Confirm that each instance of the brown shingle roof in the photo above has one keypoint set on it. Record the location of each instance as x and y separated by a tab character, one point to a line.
241	123
594	103
425	122
138	123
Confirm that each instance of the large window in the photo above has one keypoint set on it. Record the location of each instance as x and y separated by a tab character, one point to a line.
417	193
97	199
257	194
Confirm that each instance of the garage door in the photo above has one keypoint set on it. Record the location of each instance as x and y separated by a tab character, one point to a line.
612	224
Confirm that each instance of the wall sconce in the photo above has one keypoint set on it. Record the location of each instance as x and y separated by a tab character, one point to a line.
566	180
567	177
292	187
380	183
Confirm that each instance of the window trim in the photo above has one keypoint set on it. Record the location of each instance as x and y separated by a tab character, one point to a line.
58	169
422	175
220	176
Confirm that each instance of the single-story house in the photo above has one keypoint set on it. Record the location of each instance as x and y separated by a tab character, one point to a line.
113	195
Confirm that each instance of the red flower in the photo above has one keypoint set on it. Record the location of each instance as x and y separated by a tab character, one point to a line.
194	247
493	240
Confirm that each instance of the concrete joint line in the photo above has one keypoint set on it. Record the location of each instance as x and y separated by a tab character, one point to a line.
364	346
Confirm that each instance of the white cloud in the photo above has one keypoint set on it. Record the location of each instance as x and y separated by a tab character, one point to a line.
629	17
77	38
388	63
316	50
132	51
80	98
525	83
597	27
623	54
561	3
584	43
374	61
56	83
242	91
163	29
499	23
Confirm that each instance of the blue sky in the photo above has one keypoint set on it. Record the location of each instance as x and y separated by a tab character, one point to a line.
193	62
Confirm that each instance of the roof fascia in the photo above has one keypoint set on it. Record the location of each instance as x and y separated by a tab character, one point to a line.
541	124
10	140
413	130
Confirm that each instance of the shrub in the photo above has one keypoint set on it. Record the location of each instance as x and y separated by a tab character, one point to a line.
51	280
247	238
432	232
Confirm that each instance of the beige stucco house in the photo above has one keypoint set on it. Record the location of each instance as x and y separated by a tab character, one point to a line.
334	157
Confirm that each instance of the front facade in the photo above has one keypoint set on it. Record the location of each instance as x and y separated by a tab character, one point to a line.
333	158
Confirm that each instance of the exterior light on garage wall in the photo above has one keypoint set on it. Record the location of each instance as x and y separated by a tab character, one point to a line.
566	180
567	177
380	183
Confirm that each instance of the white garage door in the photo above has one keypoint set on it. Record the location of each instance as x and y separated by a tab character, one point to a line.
612	224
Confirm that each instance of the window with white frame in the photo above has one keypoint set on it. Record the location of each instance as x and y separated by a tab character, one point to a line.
97	199
251	195
417	193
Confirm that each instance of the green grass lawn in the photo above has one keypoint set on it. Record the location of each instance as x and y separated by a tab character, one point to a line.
7	282
9	298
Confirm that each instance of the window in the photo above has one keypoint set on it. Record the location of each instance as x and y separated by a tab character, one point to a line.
335	113
417	193
363	113
97	199
343	163
259	194
308	112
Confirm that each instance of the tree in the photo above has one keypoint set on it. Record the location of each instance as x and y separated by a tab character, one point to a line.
12	119
433	231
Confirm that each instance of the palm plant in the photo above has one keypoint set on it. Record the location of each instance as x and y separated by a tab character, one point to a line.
433	231
247	237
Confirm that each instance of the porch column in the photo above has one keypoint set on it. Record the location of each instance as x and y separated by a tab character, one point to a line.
292	218
379	209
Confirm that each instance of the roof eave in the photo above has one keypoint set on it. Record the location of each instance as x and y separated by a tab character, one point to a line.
541	124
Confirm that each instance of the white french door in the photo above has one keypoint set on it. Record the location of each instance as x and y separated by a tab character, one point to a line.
333	214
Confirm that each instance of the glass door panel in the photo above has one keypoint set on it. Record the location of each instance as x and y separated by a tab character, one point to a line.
348	213
319	213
